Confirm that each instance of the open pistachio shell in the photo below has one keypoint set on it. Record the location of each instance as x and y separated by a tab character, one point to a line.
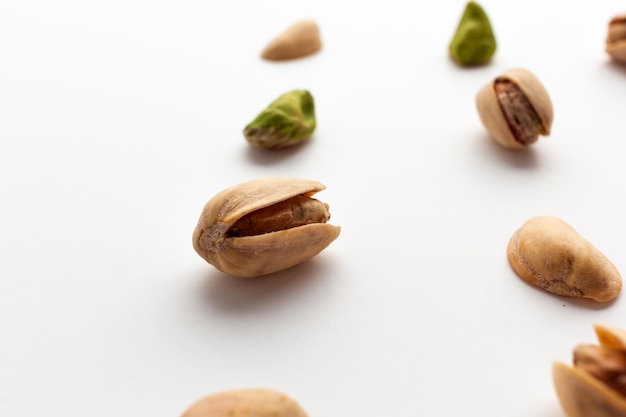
580	393
273	251
492	115
246	403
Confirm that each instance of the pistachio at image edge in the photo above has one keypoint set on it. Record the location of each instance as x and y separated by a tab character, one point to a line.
264	226
247	402
616	39
474	42
287	121
515	108
595	384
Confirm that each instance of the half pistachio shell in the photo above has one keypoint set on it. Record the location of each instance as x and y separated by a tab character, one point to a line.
583	395
299	40
551	254
306	235
258	402
493	117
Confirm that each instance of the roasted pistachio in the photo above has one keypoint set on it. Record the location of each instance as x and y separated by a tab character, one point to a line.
299	40
515	108
474	42
252	402
616	39
289	120
550	254
595	386
263	226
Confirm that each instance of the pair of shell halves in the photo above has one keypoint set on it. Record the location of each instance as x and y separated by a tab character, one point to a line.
263	226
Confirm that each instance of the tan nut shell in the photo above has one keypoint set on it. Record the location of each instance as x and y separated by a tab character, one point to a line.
299	40
549	253
616	42
491	114
582	395
252	256
246	403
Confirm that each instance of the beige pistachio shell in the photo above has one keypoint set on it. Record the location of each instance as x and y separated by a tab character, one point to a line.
299	40
246	403
616	38
581	395
610	336
251	256
493	118
549	253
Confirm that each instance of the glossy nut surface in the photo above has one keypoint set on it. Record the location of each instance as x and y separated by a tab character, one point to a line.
515	108
584	389
263	226
252	402
549	253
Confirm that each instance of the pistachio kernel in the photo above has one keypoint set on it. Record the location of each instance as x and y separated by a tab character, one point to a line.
520	115
474	42
605	364
287	121
515	108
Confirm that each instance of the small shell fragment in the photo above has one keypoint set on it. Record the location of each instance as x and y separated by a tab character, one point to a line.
299	40
549	253
252	402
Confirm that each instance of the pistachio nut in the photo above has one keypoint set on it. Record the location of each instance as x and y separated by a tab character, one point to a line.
251	402
299	40
263	226
549	253
474	42
515	108
289	120
616	38
595	386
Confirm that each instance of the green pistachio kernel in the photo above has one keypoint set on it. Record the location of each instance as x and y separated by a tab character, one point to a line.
289	120
474	42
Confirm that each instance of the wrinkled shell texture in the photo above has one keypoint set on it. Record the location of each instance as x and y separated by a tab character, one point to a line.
246	403
582	395
616	39
252	256
299	40
550	254
491	114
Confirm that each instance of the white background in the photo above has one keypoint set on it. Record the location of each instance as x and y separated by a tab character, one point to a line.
120	119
